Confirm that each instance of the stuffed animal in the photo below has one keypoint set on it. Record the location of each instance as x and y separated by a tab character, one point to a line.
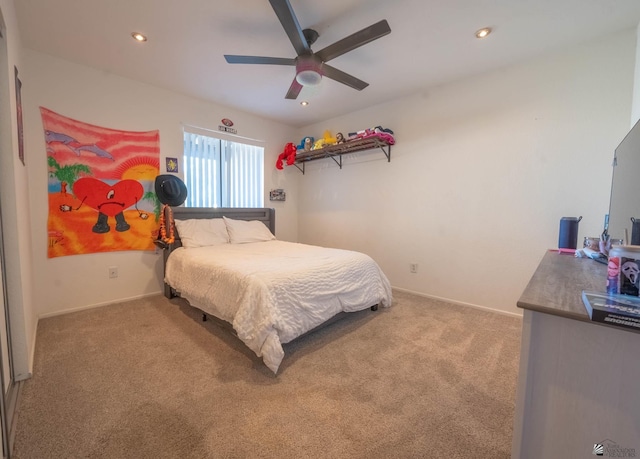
381	129
289	153
368	132
306	144
378	131
325	141
318	144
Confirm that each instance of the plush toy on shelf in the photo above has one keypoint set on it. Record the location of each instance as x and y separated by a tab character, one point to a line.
378	131
306	144
289	153
325	141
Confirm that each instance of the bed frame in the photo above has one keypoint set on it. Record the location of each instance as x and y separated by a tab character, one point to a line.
265	215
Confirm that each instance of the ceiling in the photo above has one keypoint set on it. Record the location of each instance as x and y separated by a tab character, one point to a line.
431	42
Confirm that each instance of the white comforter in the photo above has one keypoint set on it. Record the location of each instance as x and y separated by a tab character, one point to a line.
272	292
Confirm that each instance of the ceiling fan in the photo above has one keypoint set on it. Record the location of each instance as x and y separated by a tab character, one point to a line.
310	66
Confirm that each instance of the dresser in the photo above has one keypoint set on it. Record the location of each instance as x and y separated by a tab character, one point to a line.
579	381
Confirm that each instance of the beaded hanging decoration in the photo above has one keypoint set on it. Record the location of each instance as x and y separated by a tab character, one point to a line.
167	236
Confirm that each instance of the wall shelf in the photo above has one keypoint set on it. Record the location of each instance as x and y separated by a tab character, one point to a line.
336	151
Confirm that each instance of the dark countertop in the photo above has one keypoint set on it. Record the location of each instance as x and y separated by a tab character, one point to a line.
556	286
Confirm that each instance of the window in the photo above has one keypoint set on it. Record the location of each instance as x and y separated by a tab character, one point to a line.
222	173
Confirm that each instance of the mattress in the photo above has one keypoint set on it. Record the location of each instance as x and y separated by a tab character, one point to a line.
274	291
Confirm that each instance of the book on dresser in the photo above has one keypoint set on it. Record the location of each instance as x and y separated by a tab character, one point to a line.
613	309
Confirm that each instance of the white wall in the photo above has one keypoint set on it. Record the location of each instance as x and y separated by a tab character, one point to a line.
481	174
635	109
15	218
101	98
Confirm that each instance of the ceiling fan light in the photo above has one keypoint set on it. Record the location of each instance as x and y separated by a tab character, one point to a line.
308	78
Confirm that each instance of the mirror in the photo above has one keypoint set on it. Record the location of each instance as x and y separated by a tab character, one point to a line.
625	189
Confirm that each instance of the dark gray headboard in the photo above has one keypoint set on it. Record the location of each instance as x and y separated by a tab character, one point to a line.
263	214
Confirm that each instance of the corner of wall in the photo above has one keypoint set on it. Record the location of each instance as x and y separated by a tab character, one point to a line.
635	103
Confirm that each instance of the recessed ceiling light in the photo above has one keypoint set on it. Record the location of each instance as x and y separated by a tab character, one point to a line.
482	33
304	103
138	36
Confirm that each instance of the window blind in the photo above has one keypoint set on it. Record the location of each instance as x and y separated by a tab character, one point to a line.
222	173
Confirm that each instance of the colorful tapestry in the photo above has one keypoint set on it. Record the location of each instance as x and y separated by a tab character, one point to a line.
101	187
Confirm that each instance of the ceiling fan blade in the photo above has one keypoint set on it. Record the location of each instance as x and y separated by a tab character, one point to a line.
290	24
259	60
294	90
353	41
344	78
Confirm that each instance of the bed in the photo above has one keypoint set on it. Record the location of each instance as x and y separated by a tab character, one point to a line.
270	291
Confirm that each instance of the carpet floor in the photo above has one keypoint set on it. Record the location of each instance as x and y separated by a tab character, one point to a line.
149	379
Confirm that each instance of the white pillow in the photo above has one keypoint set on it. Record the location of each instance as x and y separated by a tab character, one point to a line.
242	231
202	232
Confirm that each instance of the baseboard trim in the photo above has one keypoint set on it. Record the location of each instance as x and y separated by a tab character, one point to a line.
459	303
97	305
32	355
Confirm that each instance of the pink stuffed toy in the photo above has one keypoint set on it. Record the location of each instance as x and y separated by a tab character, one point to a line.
289	153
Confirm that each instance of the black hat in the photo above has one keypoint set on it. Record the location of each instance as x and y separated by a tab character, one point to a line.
171	189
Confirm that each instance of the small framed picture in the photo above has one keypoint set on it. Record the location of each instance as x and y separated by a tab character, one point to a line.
172	164
19	116
277	195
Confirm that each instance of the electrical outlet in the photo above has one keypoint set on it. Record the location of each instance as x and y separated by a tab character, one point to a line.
113	272
413	267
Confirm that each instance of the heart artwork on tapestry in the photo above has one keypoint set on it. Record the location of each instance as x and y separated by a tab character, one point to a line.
108	199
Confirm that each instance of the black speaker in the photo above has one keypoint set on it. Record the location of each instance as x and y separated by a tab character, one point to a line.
635	231
568	238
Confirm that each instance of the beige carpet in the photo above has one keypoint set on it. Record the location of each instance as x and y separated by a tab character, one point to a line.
149	379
